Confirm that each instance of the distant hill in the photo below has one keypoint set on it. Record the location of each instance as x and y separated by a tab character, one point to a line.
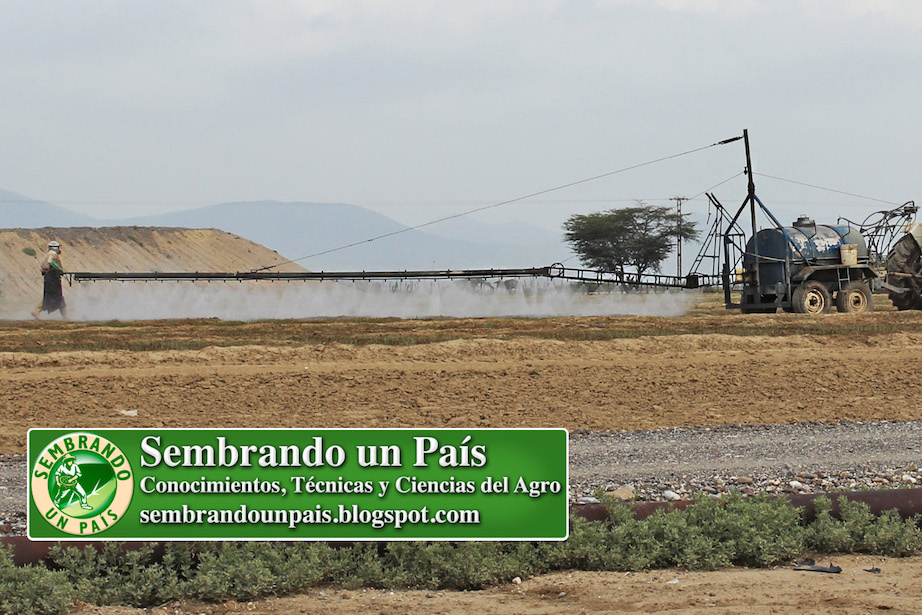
119	249
18	211
326	232
302	229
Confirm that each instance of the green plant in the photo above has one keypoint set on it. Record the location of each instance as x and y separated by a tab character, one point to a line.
252	570
359	566
32	590
463	565
711	534
858	531
762	531
114	575
28	251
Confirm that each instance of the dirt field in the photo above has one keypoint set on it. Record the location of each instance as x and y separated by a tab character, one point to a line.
730	592
498	374
708	368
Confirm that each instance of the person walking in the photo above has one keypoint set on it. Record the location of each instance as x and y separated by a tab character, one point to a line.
53	293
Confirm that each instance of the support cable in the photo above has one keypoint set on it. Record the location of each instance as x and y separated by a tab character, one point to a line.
711	189
494	205
860	196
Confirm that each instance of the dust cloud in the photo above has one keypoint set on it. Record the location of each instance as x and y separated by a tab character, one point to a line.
404	299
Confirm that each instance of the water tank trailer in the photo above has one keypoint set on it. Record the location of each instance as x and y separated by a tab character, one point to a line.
805	267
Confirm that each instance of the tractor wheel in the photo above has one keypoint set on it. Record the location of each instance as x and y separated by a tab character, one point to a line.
906	257
855	297
812	297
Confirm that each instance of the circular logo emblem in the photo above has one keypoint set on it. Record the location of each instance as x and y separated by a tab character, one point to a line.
82	483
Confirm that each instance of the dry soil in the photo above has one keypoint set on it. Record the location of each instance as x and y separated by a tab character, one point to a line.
759	369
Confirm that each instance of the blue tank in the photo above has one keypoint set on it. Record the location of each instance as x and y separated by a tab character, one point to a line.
817	242
816	245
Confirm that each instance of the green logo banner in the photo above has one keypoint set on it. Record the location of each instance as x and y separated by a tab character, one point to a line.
298	484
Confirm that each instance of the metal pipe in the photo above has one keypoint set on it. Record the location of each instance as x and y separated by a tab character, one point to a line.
84	276
906	502
554	271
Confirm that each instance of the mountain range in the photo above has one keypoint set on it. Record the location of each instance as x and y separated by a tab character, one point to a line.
331	236
18	211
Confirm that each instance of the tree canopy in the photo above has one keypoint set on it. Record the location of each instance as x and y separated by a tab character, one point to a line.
639	237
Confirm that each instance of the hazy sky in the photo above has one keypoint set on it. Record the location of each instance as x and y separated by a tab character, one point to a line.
421	109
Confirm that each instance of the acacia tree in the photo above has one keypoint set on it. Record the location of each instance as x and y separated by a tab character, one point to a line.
639	237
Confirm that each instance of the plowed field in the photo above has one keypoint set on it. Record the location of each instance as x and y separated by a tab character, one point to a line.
708	368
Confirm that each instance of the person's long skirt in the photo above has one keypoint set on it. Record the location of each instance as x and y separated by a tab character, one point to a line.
53	295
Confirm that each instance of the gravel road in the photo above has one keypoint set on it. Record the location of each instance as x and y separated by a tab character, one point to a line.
12	495
670	463
804	458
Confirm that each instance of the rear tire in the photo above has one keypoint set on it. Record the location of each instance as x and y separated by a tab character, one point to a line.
812	297
855	298
906	257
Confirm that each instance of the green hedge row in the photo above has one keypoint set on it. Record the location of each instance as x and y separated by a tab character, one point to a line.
708	536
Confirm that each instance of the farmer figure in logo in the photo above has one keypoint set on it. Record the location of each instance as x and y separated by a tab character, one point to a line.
66	478
52	271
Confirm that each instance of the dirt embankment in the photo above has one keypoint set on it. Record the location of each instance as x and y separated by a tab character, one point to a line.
120	248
